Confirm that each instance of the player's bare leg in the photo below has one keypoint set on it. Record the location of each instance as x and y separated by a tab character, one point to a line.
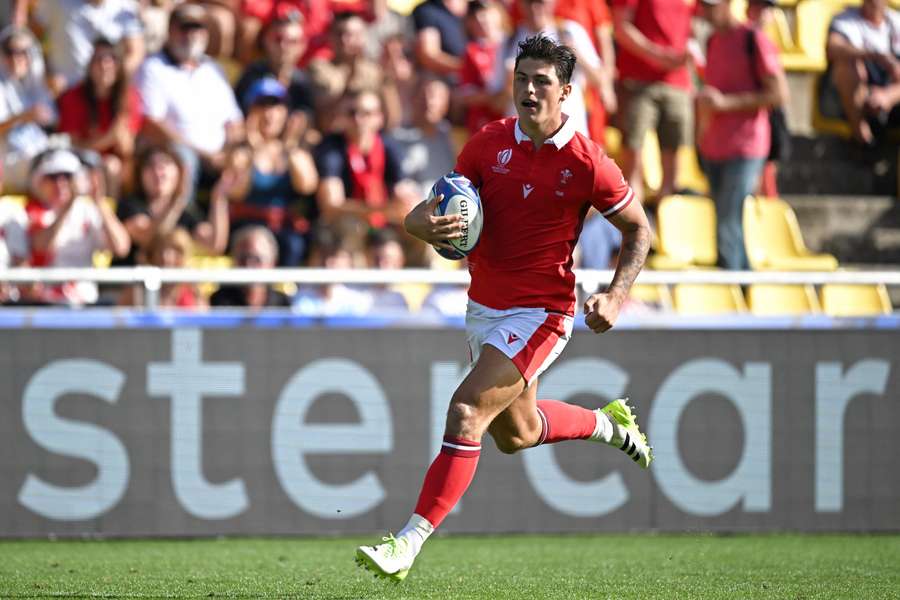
530	422
492	385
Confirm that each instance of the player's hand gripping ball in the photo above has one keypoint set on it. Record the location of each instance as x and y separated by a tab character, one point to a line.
460	198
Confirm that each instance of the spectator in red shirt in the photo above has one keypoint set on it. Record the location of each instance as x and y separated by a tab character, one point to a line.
478	91
255	15
103	113
732	112
652	61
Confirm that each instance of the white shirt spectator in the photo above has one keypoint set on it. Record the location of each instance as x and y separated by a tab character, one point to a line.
13	239
73	25
79	237
195	102
862	34
26	140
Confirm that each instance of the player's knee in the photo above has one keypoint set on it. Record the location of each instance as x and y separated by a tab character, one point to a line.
461	416
509	444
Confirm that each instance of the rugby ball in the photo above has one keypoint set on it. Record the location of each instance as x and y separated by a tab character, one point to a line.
460	198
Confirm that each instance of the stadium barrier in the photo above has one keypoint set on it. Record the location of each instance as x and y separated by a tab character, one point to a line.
151	278
192	427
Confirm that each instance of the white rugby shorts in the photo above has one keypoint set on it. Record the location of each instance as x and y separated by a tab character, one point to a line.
531	338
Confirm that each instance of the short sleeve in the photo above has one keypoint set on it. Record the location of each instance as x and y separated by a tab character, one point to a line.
152	97
845	25
330	160
424	17
393	163
768	63
130	22
611	193
467	162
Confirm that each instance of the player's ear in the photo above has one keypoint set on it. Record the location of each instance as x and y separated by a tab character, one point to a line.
566	90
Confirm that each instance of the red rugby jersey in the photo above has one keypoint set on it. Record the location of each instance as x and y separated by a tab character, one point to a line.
534	205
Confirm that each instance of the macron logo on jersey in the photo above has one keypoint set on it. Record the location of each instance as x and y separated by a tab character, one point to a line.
526	189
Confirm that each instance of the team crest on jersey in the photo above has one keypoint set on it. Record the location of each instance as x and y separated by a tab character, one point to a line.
503	158
564	176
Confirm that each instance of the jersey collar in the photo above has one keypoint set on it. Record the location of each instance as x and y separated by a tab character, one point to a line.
559	139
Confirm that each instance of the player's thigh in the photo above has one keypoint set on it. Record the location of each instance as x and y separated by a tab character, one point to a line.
489	388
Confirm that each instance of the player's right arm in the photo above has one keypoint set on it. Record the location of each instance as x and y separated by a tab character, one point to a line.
421	222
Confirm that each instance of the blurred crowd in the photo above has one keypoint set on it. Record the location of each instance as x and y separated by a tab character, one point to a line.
300	132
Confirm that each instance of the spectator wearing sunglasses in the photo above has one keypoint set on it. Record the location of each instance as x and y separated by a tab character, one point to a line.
66	227
26	107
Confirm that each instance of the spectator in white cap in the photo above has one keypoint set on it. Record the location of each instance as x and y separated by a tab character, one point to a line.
71	26
25	106
65	229
187	99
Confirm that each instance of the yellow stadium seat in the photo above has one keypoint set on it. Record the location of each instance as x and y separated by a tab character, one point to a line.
708	299
690	176
774	299
612	140
841	300
688	173
20	200
414	294
656	295
651	164
773	239
687	233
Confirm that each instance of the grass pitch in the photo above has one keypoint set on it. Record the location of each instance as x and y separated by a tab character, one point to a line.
609	566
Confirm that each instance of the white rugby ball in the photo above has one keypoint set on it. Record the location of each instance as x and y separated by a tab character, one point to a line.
460	198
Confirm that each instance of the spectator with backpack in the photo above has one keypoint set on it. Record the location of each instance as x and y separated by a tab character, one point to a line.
733	120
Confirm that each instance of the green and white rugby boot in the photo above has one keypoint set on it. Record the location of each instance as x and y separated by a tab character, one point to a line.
627	436
390	559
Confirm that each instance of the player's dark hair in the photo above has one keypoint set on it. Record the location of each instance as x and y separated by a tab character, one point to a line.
540	47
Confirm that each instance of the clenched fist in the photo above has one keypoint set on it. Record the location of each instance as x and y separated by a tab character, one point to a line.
601	311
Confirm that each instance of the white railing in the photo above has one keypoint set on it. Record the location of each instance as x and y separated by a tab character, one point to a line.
152	278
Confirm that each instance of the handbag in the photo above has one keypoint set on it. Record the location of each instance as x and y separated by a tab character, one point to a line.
780	146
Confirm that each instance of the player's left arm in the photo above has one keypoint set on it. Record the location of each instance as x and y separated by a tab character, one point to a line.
602	309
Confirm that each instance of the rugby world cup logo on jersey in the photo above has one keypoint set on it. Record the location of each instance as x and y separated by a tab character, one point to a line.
503	158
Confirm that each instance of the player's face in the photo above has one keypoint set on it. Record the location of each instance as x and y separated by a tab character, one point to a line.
537	91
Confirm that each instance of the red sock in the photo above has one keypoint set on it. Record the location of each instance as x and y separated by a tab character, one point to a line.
561	421
448	478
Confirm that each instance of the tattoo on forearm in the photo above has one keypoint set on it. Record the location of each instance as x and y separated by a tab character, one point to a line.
632	256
